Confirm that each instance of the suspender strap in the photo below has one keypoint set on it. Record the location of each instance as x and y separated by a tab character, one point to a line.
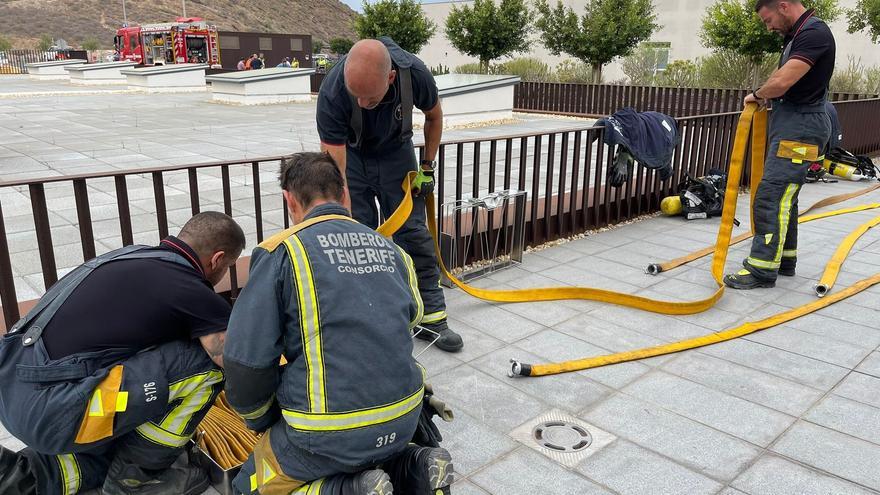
406	103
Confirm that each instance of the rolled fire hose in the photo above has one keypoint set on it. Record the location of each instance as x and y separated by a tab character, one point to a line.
224	436
833	267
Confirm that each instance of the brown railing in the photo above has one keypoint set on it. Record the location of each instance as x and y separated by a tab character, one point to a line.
605	99
563	172
15	61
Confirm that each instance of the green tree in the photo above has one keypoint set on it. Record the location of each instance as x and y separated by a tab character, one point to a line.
680	74
641	65
401	20
45	42
488	31
608	29
866	16
340	46
733	25
91	44
317	46
5	44
728	69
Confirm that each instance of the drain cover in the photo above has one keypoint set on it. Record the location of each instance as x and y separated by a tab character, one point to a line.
562	436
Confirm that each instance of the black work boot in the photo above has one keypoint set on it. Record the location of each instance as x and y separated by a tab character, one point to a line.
130	479
15	474
423	471
446	339
744	280
372	482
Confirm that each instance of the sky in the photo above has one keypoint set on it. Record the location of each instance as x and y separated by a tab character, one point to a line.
358	4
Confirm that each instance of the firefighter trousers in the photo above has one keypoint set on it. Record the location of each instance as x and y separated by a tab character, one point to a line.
79	413
797	136
377	179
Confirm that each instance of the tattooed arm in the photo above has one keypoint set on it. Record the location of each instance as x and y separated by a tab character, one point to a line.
213	345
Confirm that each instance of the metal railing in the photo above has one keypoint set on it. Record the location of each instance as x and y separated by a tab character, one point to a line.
563	172
15	61
605	99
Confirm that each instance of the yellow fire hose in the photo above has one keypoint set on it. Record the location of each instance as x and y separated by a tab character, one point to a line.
593	294
833	267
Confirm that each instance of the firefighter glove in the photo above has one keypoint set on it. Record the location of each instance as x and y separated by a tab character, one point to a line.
423	185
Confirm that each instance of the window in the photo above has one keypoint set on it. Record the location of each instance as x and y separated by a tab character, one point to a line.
230	42
296	44
661	52
266	44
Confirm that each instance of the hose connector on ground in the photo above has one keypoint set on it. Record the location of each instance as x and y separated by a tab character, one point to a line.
519	369
821	290
653	269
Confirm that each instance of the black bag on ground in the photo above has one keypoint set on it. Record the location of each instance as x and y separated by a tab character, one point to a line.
703	197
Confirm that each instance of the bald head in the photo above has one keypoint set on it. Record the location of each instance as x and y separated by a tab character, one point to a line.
368	72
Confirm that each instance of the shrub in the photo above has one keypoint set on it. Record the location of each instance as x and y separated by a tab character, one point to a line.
641	65
527	68
471	68
851	79
573	71
681	74
727	69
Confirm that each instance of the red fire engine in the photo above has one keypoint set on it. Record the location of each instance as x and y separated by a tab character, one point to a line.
188	39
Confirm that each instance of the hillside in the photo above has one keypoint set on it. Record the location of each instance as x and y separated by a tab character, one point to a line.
23	21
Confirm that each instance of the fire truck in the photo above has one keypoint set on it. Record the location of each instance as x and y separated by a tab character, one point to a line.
186	40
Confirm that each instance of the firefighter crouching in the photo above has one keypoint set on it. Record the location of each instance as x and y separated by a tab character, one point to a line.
338	301
106	379
799	132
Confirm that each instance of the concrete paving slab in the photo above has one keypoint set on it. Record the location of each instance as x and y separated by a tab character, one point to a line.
841	455
860	387
773	475
699	447
814	346
847	416
871	365
526	471
629	469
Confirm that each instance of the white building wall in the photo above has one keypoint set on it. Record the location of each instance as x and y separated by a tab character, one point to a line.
680	21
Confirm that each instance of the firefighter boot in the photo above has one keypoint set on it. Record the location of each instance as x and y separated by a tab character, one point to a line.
423	471
15	474
786	268
446	339
744	279
372	482
130	479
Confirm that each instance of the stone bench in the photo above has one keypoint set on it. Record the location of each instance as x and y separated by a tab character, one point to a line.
99	74
47	71
473	98
175	78
263	86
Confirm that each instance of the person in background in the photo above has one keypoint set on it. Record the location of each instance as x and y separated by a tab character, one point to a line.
284	63
240	65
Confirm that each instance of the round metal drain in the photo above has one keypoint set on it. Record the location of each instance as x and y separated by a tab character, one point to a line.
562	436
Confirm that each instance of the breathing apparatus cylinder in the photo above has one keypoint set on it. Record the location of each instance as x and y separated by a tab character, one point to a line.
671	205
847	172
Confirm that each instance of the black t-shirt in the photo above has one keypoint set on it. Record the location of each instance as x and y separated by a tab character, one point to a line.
382	126
811	42
129	305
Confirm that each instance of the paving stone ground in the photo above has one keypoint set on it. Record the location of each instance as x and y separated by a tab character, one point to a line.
794	409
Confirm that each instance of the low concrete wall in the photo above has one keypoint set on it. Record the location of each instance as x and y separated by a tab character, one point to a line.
261	87
54	70
176	78
473	98
109	73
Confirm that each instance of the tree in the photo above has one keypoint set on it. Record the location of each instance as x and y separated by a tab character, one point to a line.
641	65
5	44
733	25
401	20
866	15
91	44
487	31
340	46
680	74
45	42
317	46
608	29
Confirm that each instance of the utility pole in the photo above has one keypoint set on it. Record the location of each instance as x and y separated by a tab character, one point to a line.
184	7
124	15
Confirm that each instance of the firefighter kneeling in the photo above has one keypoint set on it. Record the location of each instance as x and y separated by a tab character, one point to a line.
340	415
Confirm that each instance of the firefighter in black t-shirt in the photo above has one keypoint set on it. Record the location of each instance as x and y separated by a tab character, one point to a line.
799	132
106	379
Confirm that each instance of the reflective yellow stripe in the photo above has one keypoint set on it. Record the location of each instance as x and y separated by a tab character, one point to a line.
315	487
96	407
268	472
121	401
353	419
413	287
769	265
784	217
256	413
194	392
164	438
789	253
254	482
310	324
434	317
71	477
